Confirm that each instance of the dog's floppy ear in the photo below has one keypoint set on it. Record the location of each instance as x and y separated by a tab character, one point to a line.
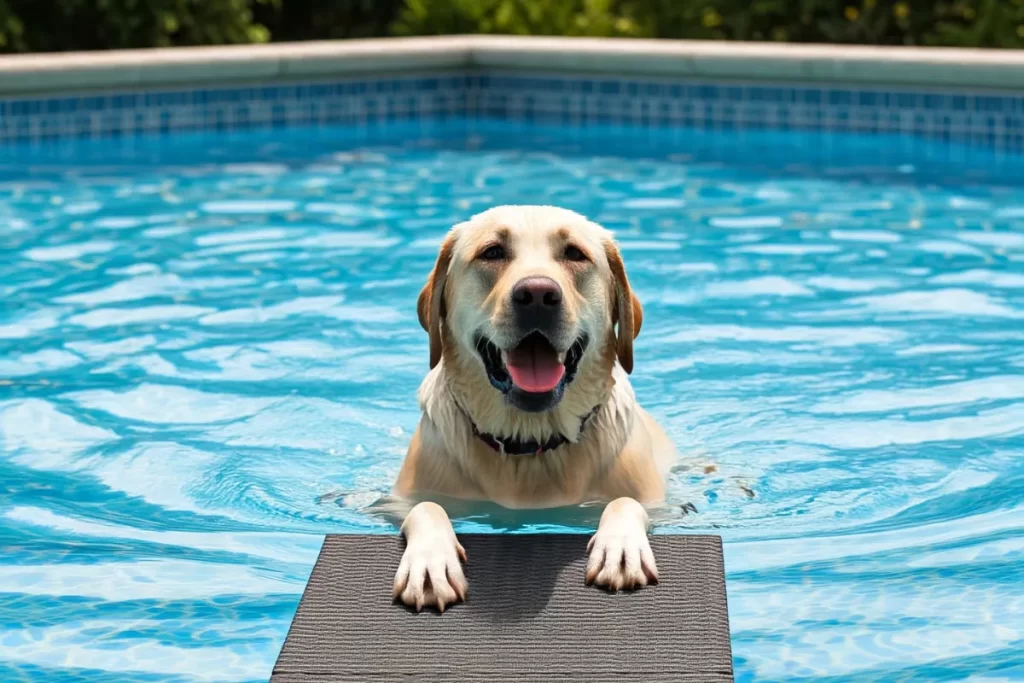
430	305
627	312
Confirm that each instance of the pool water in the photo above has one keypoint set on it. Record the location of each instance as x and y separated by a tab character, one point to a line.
209	355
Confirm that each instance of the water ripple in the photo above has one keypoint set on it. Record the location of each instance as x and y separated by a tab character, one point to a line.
209	355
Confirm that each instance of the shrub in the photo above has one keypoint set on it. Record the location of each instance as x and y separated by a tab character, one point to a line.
982	23
989	23
979	23
59	25
11	30
327	19
33	25
517	17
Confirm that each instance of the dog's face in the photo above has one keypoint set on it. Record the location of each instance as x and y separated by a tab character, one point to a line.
531	293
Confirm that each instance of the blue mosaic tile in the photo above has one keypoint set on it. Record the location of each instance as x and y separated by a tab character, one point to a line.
982	118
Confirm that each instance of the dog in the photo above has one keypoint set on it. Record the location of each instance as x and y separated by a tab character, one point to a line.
531	322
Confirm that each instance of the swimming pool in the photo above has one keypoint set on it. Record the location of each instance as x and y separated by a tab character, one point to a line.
209	355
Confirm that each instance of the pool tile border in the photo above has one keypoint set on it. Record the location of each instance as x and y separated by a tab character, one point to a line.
357	102
556	81
989	119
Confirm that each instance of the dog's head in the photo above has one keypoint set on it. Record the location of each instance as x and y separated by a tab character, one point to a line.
529	298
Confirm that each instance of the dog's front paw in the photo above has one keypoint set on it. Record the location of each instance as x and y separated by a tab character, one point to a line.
430	573
620	554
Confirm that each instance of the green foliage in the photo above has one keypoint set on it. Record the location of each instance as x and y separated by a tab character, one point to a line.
11	30
58	25
327	19
516	17
981	23
54	25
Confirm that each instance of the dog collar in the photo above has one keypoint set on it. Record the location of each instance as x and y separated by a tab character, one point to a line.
507	445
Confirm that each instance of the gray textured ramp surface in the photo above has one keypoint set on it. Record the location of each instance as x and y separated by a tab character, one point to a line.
529	617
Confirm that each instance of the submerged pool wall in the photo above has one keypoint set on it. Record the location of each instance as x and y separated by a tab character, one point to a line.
974	97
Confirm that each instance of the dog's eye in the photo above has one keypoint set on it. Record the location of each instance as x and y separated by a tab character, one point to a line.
493	253
573	253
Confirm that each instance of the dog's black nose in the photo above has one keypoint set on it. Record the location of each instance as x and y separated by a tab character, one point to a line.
537	302
537	292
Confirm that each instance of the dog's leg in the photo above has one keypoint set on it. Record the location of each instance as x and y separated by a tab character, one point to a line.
619	553
430	573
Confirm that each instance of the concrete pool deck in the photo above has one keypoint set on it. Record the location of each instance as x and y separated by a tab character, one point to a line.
948	68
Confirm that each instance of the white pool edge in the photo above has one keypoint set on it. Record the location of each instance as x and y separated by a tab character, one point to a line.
940	68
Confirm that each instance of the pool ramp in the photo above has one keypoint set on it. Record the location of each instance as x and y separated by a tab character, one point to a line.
528	617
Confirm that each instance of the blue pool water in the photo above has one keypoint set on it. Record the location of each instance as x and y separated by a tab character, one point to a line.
209	354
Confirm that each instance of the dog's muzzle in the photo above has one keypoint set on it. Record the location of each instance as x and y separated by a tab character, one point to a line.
532	374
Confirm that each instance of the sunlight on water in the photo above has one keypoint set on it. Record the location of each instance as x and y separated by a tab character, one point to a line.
209	355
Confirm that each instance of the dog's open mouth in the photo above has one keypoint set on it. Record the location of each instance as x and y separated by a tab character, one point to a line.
532	366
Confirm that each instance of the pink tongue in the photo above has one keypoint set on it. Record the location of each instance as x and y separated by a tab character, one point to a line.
535	367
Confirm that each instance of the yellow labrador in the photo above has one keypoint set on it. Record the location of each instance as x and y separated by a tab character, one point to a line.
527	404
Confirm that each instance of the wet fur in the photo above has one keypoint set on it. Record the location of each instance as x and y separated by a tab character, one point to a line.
622	456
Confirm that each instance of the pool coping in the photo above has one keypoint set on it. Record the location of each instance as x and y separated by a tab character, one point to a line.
957	68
